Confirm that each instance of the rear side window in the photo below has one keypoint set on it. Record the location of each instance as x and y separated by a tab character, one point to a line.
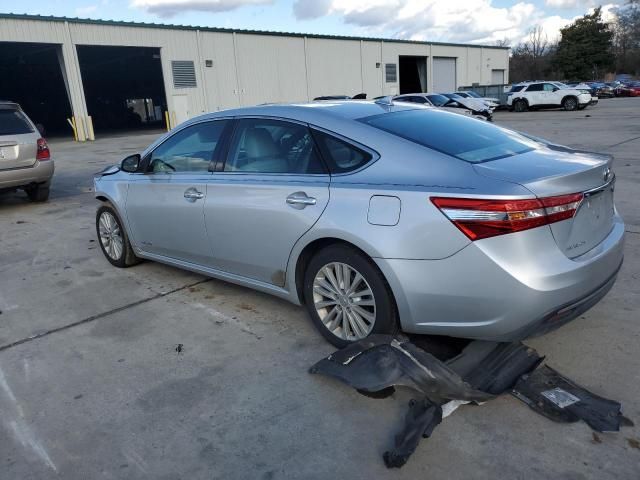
340	156
13	122
456	135
536	87
273	146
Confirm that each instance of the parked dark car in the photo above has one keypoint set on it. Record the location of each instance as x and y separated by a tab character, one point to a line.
602	90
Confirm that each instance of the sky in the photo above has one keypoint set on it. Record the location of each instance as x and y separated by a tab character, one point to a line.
474	21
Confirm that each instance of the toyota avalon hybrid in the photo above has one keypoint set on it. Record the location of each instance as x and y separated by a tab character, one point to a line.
377	217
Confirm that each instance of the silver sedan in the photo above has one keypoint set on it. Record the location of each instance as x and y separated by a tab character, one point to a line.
376	217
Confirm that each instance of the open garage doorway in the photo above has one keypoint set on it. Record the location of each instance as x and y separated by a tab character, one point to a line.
31	74
413	74
123	87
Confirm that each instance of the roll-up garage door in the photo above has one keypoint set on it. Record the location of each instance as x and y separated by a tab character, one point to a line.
444	74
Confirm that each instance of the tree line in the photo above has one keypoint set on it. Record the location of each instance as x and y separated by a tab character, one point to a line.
588	49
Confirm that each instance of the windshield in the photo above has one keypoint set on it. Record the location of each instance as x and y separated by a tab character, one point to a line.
473	94
452	95
456	135
438	100
516	88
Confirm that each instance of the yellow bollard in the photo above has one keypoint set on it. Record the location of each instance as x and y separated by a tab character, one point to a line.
82	133
166	120
173	120
72	122
90	135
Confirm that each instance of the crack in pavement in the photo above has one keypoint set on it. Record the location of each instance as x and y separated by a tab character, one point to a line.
99	315
623	142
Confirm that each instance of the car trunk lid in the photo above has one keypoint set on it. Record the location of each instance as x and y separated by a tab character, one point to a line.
555	170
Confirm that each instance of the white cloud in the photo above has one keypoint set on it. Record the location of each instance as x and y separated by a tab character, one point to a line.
310	9
84	11
170	8
567	4
439	20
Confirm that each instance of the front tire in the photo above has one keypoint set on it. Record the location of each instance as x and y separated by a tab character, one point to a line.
520	106
347	296
113	238
570	104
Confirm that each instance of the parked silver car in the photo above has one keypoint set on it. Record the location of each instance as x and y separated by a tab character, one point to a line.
25	159
375	216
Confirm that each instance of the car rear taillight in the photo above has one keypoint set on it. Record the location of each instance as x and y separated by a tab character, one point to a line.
483	218
43	150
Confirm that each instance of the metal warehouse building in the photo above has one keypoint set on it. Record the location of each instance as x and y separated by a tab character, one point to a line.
134	75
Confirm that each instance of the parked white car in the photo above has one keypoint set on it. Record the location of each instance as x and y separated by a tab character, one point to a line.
547	95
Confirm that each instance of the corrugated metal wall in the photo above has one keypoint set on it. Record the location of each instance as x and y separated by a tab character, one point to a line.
249	69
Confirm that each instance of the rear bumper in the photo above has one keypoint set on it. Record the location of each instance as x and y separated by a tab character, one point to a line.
499	289
40	172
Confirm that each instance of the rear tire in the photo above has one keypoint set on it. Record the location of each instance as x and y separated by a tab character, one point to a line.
113	238
347	297
38	193
520	106
570	104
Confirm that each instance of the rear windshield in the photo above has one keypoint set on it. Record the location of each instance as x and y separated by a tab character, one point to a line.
13	122
462	137
438	100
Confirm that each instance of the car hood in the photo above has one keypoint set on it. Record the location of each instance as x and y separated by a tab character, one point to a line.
472	104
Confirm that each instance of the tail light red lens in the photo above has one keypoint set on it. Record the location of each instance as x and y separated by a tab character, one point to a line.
483	218
43	150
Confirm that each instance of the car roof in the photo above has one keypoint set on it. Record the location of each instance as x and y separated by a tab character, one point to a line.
321	110
9	104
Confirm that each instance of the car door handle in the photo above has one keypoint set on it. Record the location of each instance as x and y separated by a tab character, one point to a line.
300	200
192	194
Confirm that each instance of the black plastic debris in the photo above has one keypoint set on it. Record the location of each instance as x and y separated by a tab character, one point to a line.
494	367
481	371
556	397
382	361
422	417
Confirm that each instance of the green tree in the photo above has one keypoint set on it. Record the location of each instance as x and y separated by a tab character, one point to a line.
627	37
585	50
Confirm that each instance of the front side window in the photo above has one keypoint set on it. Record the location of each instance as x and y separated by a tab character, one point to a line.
13	122
273	146
456	135
188	151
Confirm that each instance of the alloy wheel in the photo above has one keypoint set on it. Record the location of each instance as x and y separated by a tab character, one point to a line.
110	236
344	301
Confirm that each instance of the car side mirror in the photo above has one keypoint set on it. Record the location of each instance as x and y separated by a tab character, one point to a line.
131	163
555	89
